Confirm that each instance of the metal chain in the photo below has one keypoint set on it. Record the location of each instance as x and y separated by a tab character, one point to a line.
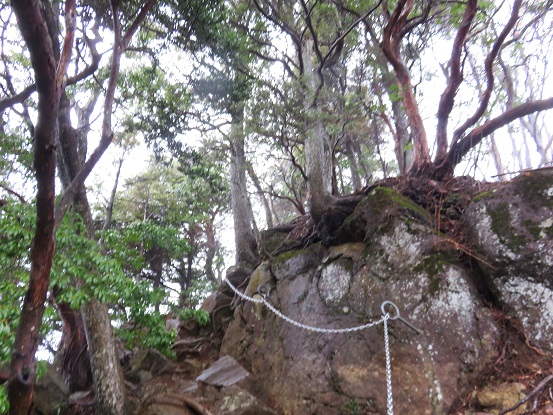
242	295
319	329
389	396
383	320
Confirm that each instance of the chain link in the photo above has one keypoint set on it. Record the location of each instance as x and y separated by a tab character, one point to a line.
383	320
389	396
319	329
242	295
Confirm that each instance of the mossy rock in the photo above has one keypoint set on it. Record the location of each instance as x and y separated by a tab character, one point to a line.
291	263
510	231
273	239
376	210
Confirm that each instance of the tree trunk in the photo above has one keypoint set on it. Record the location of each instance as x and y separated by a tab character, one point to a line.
261	195
211	249
403	144
353	165
97	323
391	42
317	160
497	159
49	74
72	355
109	385
244	232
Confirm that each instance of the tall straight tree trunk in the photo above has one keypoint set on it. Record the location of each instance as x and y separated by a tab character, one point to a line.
497	159
317	160
244	228
353	165
109	385
211	248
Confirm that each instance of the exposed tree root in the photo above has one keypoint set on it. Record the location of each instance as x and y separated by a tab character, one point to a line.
534	392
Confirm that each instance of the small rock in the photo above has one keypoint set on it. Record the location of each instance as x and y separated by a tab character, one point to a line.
236	401
503	396
79	396
224	372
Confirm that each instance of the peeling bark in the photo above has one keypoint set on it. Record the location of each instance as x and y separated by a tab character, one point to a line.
391	41
48	73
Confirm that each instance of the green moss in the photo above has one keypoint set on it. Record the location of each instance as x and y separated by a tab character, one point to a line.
501	219
273	239
351	407
481	196
434	266
534	186
390	196
501	226
434	286
533	228
285	256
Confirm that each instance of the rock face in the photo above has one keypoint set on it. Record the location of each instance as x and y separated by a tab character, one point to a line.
390	250
512	229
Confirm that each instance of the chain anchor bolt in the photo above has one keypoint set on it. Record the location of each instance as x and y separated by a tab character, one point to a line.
397	315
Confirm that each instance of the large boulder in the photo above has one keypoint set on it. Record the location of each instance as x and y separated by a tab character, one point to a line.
511	230
397	257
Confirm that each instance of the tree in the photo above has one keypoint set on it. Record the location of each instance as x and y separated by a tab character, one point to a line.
167	215
319	33
49	88
37	29
468	134
226	90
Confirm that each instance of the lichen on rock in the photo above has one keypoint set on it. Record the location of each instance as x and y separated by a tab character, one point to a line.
511	230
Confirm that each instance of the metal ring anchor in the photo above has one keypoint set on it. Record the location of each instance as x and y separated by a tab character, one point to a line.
394	306
263	290
397	316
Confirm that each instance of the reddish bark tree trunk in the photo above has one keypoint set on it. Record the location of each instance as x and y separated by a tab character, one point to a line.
48	75
394	32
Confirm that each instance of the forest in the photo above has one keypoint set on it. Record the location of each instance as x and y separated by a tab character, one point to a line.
138	135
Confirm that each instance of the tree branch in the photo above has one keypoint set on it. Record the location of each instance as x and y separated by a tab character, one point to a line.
14	193
119	45
460	148
29	90
70	23
489	73
454	79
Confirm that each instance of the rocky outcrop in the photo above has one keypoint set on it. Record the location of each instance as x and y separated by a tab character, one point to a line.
511	228
452	289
